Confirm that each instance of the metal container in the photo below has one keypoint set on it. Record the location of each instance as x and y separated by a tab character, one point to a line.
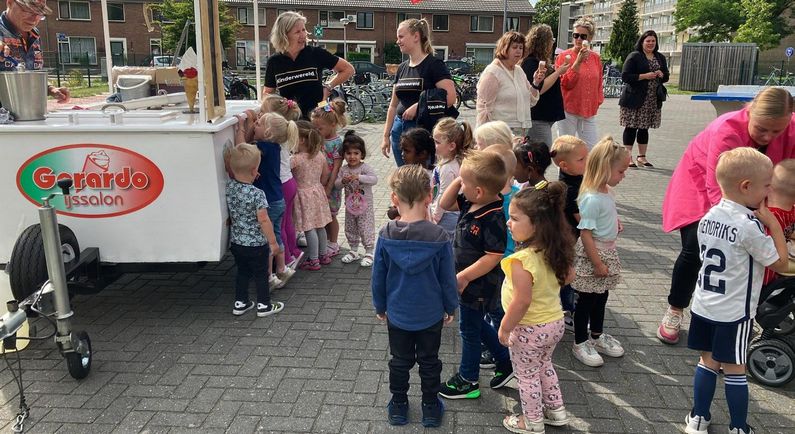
134	86
24	94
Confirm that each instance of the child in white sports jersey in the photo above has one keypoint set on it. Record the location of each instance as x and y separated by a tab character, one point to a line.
734	251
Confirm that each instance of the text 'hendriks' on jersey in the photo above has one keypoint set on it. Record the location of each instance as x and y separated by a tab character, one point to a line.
734	252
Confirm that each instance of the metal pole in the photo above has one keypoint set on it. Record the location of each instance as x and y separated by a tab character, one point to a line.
55	267
198	26
256	47
504	16
345	41
106	32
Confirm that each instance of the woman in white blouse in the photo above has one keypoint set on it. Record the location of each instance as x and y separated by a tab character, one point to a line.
504	92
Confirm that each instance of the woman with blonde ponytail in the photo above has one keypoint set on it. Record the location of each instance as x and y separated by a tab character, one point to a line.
767	124
421	72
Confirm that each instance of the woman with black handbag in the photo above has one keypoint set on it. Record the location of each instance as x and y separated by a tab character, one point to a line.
645	71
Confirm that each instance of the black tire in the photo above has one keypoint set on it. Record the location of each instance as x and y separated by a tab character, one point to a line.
356	111
470	98
771	362
27	267
458	98
78	364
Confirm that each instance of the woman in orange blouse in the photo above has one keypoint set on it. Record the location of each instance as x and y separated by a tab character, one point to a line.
581	85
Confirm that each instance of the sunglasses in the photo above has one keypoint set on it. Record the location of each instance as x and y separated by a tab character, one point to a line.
582	36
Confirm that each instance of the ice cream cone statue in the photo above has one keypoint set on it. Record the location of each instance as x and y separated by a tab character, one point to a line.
190	78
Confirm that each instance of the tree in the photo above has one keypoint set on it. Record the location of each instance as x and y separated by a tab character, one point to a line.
758	27
176	12
625	32
548	12
392	53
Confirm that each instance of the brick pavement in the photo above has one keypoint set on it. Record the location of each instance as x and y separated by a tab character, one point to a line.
170	358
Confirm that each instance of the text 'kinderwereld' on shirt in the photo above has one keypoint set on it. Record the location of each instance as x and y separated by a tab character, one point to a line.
293	77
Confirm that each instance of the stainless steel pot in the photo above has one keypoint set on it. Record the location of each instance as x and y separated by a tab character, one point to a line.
24	94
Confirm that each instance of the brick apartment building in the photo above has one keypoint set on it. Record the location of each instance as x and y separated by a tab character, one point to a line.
461	28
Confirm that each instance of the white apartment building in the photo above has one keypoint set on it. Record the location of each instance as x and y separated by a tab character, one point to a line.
657	15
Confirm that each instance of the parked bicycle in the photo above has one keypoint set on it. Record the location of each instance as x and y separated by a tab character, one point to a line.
466	88
611	82
778	77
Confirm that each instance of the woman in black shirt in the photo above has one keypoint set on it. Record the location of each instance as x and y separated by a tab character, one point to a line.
421	72
296	70
549	108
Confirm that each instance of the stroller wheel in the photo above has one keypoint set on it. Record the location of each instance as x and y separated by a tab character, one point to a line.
770	362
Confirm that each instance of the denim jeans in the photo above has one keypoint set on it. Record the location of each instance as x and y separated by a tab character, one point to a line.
275	213
398	127
475	329
409	347
252	264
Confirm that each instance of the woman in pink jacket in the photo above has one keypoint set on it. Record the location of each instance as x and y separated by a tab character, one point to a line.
766	124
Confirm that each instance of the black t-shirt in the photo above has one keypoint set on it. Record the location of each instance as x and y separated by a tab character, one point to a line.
300	79
572	191
411	81
477	233
550	104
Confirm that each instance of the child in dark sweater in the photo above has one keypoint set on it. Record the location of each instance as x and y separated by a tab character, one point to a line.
414	291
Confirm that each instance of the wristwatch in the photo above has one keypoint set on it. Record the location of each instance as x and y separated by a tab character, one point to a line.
533	85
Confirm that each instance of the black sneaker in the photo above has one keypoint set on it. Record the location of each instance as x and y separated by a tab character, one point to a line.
459	388
432	413
242	307
269	309
502	375
398	412
486	360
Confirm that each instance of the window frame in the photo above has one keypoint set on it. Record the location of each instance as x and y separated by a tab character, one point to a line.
514	20
123	13
329	21
433	23
68	44
473	19
69	4
406	16
250	16
372	20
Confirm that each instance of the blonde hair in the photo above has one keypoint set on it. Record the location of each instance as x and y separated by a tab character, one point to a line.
284	23
332	112
281	105
772	102
307	132
740	164
588	23
487	169
507	155
410	183
456	132
784	178
279	130
419	26
564	146
601	160
506	40
494	132
242	158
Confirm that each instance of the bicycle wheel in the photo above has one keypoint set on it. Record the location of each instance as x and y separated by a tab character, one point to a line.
470	98
355	109
458	98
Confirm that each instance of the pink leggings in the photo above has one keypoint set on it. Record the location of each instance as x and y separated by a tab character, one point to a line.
291	249
531	356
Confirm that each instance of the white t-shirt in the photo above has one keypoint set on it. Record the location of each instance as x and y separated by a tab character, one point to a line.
284	165
734	252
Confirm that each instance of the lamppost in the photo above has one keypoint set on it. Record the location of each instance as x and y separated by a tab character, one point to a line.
345	22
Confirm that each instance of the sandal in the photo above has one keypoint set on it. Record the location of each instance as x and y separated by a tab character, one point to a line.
511	423
645	162
367	261
351	257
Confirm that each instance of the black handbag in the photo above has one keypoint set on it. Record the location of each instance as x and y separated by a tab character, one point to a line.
432	107
662	93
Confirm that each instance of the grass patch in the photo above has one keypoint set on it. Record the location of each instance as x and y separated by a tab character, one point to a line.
674	90
96	88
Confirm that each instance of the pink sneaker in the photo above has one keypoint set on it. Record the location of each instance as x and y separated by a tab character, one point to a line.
668	332
310	265
333	250
325	259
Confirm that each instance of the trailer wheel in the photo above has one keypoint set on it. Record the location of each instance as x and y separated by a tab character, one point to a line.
770	362
79	361
27	267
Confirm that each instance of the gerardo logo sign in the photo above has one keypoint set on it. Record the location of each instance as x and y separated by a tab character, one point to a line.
107	180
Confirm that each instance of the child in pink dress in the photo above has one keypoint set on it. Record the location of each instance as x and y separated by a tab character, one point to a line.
311	205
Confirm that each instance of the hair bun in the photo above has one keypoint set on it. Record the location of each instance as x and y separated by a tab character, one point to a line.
350	133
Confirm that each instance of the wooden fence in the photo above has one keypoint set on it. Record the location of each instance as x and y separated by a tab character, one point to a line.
704	66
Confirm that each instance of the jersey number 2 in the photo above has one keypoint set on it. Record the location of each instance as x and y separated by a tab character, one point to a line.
714	255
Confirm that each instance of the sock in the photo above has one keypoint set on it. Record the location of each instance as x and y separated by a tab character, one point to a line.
737	399
703	390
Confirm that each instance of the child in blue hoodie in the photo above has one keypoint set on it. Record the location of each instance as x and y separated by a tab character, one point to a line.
414	291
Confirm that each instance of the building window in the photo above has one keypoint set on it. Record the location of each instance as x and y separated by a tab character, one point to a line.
441	23
403	16
482	55
364	20
513	23
78	51
331	18
481	23
246	16
74	11
440	52
155	47
115	12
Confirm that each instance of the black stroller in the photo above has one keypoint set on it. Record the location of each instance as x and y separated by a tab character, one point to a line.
771	356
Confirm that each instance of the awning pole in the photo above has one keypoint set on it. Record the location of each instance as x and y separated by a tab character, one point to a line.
108	54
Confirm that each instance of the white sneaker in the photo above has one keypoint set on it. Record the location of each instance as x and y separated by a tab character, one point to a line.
556	417
586	353
696	424
748	430
608	345
285	275
274	282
